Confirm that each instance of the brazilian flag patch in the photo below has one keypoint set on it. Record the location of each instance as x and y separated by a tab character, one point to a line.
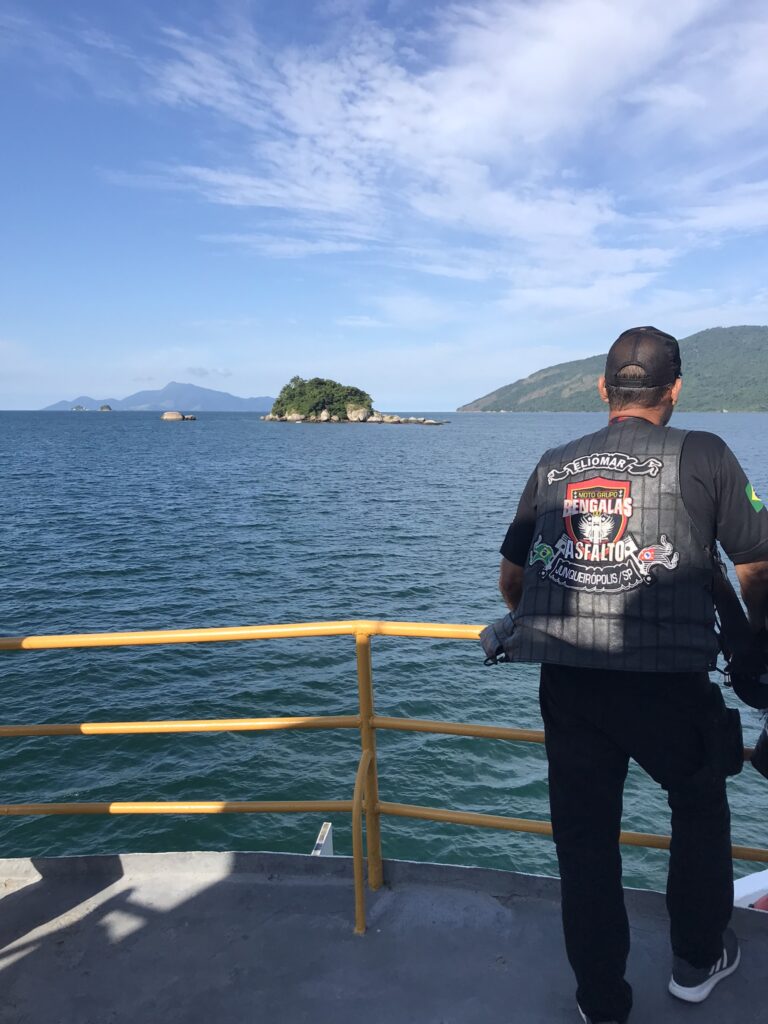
755	501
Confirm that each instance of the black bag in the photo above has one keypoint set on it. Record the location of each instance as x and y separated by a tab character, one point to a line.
733	743
723	738
745	652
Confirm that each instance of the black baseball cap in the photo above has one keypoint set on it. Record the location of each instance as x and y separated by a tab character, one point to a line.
649	349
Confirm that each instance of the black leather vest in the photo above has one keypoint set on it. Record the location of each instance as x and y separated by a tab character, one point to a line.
617	576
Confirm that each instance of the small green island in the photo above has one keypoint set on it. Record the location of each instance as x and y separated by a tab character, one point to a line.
320	400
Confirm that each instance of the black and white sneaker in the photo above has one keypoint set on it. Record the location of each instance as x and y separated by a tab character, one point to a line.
693	984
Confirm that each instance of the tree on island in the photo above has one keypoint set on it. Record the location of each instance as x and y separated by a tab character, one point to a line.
311	397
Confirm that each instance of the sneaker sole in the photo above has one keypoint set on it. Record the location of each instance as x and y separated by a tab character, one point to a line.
699	993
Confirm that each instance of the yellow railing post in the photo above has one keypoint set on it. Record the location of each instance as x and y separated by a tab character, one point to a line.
368	743
357	841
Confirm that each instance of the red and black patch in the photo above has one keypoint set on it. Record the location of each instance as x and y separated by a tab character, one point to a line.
597	510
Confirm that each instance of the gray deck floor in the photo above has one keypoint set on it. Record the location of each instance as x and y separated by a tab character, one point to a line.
224	938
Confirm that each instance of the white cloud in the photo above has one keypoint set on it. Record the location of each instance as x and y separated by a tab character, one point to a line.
603	293
473	124
294	179
485	135
406	311
742	208
717	87
518	75
465	198
288	247
80	54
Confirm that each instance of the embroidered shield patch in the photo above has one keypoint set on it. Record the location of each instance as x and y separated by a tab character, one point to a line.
597	511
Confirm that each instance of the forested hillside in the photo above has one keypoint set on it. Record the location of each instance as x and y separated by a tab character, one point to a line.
723	368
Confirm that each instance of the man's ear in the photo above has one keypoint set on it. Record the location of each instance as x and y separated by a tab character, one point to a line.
601	388
676	388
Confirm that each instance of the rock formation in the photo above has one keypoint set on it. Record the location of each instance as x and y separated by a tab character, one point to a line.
357	414
326	401
354	416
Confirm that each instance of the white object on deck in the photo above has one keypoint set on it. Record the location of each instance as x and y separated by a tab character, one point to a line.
750	888
324	842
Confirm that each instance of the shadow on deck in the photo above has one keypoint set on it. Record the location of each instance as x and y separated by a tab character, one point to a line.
216	937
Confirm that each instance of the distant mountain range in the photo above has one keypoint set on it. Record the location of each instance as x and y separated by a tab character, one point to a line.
184	397
723	368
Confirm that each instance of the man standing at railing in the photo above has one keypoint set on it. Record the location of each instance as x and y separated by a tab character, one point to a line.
608	568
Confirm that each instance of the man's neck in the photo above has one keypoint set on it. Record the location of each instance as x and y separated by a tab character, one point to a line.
655	416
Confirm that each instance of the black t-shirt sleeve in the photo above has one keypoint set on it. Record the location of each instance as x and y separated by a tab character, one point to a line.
720	499
519	536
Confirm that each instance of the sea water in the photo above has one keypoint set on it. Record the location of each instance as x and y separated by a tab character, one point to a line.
121	521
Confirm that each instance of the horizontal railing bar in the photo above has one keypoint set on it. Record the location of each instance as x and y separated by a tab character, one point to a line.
435	630
653	841
469	729
466	818
181	807
265	724
309	806
493	732
192	725
749	853
367	627
543	828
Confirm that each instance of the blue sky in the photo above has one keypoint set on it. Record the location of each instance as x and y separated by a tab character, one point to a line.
425	199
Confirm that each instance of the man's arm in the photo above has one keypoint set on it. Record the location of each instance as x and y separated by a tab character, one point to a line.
753	581
740	517
514	550
511	583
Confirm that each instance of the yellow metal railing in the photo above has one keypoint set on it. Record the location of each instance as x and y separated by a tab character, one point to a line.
365	799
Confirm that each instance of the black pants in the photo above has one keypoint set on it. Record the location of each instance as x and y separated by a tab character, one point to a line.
594	722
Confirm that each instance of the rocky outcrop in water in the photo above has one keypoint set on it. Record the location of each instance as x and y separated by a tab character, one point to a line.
320	400
374	417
